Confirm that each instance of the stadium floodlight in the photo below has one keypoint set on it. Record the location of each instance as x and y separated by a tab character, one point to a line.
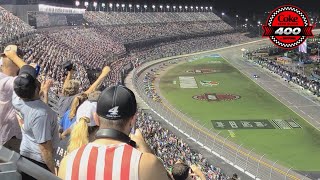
95	4
259	22
201	7
246	19
168	7
153	6
130	6
222	14
197	7
237	16
174	7
145	6
103	5
117	5
191	7
122	5
210	7
186	7
160	6
180	7
138	6
206	8
77	3
86	4
110	5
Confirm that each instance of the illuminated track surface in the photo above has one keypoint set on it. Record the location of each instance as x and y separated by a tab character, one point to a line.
254	165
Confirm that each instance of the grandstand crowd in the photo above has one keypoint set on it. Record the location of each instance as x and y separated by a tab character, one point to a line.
57	60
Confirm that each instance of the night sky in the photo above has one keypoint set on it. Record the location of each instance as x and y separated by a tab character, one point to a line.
245	8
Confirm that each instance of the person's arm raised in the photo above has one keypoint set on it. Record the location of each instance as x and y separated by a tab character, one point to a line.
12	55
103	75
150	167
68	78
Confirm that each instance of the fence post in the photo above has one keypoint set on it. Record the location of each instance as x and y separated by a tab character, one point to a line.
259	164
224	144
248	158
272	169
205	140
286	175
235	159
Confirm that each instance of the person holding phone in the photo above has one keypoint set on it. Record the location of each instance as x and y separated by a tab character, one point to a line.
181	171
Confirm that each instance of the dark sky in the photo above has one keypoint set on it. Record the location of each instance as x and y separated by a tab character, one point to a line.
245	8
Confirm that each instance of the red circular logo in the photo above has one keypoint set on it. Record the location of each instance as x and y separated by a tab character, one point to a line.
287	26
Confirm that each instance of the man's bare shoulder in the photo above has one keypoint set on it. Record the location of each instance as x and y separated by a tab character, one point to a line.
151	168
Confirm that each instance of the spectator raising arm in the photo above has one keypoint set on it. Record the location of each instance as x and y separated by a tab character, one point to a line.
11	53
45	87
95	85
67	80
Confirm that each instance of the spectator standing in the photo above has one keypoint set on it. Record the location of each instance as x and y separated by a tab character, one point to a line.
181	171
38	121
113	155
10	133
71	89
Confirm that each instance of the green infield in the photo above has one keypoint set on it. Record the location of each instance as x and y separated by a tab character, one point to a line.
213	91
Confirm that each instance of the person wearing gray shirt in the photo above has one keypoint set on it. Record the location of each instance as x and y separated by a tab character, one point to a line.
39	121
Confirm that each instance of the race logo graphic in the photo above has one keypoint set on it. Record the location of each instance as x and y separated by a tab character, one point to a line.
209	83
202	71
287	27
215	97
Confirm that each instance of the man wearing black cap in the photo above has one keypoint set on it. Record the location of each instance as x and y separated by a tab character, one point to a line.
39	128
10	133
113	155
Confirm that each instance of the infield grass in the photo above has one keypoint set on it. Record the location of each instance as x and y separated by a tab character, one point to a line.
297	148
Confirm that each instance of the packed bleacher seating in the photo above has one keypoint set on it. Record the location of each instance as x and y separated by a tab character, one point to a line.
170	148
113	18
104	42
11	27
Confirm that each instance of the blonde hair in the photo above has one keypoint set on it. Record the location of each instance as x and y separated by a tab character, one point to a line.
77	101
79	134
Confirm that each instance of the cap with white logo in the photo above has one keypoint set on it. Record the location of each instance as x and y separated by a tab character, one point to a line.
116	102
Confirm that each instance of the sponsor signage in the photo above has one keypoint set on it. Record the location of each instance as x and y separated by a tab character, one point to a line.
242	124
255	124
215	97
209	83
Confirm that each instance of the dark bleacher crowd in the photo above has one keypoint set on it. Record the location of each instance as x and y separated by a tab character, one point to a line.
290	75
101	48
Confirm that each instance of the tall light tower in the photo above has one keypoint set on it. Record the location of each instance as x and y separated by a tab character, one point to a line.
77	3
161	7
237	20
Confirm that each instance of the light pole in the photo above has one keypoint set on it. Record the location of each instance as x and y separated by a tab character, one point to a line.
153	7
180	7
103	5
110	6
123	6
201	8
77	3
197	8
145	8
130	6
259	23
168	8
174	8
117	6
186	8
206	9
86	4
237	20
160	8
211	8
95	6
138	7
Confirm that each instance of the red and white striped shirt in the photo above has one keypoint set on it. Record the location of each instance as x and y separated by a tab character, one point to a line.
95	162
